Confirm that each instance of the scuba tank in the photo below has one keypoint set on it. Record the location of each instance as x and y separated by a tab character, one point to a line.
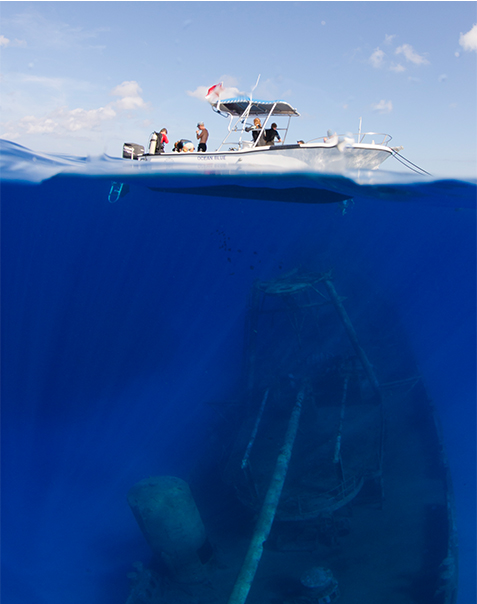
153	143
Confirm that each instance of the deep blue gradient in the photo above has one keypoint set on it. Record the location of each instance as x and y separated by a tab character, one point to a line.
120	322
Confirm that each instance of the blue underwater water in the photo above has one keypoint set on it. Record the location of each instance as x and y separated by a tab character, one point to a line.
121	321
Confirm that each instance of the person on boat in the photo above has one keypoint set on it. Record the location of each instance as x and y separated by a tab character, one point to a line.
161	141
271	135
181	144
202	136
157	141
255	130
164	139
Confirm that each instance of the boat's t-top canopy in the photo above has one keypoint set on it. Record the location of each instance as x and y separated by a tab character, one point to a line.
241	109
238	106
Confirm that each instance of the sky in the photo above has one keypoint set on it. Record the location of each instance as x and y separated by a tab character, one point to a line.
82	78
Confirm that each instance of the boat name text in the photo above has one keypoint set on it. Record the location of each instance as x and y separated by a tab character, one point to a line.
211	157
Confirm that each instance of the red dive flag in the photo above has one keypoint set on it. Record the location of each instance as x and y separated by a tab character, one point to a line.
213	93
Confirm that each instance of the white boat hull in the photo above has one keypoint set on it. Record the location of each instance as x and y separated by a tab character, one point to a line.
320	157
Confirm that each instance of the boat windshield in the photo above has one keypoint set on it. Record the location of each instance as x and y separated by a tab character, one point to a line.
239	110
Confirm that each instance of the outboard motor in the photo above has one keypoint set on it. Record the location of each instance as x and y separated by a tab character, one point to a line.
132	151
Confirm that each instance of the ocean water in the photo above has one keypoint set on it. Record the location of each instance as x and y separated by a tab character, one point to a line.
122	321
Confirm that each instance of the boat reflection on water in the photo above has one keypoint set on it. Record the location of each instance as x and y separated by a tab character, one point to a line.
326	481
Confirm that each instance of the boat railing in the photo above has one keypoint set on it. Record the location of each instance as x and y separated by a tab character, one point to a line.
241	126
366	138
241	143
361	138
345	491
323	503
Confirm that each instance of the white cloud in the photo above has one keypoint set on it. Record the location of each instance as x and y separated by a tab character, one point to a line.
54	83
18	43
130	93
468	41
377	58
41	32
4	41
62	120
82	119
199	93
398	68
228	92
383	106
33	125
411	55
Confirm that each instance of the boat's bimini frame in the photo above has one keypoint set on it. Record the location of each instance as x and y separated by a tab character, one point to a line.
239	110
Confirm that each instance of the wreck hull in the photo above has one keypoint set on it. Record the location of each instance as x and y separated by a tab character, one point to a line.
367	493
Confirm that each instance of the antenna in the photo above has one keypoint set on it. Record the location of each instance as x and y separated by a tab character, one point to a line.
249	103
256	84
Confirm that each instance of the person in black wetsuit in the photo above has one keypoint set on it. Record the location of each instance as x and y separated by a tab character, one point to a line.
271	135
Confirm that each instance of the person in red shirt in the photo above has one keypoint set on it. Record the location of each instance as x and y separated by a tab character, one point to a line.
162	140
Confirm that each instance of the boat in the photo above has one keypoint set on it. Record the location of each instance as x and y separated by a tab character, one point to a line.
324	480
332	153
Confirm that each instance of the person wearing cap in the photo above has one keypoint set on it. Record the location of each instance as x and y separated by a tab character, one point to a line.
202	136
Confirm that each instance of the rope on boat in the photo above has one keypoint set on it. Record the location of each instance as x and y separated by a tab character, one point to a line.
408	164
267	513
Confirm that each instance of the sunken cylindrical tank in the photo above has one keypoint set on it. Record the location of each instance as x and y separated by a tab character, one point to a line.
170	521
